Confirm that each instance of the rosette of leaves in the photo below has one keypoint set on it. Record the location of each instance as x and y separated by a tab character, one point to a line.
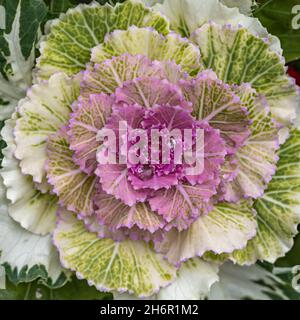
152	231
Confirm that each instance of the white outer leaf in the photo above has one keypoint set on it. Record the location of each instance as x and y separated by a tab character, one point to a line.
245	6
151	3
36	212
194	280
21	248
192	14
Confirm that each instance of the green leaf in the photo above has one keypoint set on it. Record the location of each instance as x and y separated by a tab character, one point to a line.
11	10
55	7
278	211
292	258
227	227
67	46
277	16
127	266
237	57
112	2
37	272
33	13
73	290
149	43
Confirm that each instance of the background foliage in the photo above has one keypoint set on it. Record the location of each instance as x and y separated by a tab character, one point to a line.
277	16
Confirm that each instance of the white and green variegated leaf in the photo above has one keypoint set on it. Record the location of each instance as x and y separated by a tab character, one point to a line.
128	266
70	38
257	158
278	211
34	210
15	74
239	57
151	44
188	15
27	256
226	228
17	49
194	281
45	109
245	6
257	282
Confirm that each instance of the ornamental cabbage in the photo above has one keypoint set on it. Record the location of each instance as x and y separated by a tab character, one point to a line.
152	228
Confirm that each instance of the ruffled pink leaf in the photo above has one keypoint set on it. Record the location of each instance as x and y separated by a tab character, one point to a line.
215	102
114	181
214	153
180	206
116	215
88	118
149	92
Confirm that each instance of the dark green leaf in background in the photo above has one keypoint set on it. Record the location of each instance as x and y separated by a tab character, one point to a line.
4	50
33	13
56	7
11	8
277	285
112	2
37	272
73	290
277	16
292	258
